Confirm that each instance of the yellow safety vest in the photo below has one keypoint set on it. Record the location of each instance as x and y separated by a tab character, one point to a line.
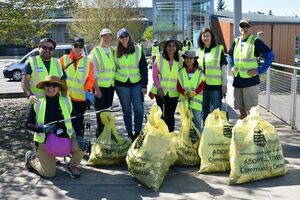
104	67
191	84
167	77
244	58
76	79
128	67
155	50
213	71
39	72
40	110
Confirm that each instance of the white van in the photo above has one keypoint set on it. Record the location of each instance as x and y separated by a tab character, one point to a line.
14	70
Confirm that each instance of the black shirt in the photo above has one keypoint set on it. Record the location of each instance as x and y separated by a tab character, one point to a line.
53	113
260	49
143	72
223	61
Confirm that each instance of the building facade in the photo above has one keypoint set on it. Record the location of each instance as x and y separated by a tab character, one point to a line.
180	18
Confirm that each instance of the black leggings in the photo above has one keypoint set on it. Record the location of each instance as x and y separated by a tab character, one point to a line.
170	104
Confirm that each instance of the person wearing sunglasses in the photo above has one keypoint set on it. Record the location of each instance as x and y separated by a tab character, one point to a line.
38	67
131	81
52	108
104	69
80	79
243	61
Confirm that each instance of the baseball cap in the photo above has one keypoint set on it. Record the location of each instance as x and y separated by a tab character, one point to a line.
122	31
245	21
105	31
78	40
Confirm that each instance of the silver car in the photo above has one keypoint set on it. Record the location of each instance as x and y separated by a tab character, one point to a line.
14	70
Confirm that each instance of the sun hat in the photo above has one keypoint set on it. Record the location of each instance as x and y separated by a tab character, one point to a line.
52	79
163	44
190	53
105	31
122	31
245	21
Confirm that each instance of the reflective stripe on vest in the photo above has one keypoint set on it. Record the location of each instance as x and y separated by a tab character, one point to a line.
39	72
213	71
191	84
167	78
76	79
155	50
104	67
128	67
40	110
244	58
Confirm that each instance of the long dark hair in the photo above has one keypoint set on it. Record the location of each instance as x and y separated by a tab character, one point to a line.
201	44
165	53
121	50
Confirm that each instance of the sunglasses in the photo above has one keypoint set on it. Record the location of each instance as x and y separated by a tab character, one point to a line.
54	85
124	36
244	26
47	48
78	45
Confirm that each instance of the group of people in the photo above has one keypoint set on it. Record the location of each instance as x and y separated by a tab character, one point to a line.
58	90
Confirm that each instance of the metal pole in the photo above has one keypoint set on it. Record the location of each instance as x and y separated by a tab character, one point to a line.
237	16
294	100
268	88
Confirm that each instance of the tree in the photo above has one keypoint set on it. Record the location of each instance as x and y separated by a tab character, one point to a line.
221	5
25	21
148	33
92	16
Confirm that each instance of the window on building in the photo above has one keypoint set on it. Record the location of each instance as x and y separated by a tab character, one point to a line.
297	51
67	38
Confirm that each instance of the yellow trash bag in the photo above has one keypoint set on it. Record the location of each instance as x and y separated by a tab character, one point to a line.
188	140
255	151
109	148
153	152
215	143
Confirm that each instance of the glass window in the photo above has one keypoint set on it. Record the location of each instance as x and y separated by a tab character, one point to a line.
297	51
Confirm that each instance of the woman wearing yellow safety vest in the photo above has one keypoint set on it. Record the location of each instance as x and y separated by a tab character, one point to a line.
190	86
105	70
52	108
213	62
131	81
165	75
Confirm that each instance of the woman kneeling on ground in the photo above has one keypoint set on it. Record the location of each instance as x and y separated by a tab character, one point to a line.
67	135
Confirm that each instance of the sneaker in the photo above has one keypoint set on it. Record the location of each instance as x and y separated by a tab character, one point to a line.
73	171
29	156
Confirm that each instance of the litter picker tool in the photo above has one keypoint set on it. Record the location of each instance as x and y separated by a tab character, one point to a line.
226	107
113	108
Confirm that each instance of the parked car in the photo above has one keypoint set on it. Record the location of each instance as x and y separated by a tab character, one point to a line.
14	70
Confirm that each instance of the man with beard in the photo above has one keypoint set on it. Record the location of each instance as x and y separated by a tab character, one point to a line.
38	67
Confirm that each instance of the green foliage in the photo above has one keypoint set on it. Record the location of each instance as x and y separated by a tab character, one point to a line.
148	33
24	22
94	15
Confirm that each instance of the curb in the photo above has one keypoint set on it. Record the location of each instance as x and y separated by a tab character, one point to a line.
12	95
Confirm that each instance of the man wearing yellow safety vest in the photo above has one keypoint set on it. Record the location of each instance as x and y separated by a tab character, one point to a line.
186	45
190	86
38	67
105	69
80	78
246	69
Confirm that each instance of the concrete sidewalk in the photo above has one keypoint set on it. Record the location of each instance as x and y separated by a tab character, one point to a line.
115	182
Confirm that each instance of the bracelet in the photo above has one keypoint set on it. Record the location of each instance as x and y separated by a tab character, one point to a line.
28	96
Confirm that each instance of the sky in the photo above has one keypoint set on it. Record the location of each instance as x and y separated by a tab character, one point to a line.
278	7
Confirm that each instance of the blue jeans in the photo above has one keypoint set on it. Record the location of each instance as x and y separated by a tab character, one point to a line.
131	97
197	116
212	99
